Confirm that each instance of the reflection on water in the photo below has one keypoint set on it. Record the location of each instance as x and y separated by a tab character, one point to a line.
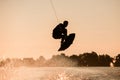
60	73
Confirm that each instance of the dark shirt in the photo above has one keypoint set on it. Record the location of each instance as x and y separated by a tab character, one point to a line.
59	31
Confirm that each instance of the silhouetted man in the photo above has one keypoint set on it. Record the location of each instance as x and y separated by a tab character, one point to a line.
60	31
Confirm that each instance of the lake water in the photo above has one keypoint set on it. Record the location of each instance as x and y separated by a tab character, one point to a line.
60	73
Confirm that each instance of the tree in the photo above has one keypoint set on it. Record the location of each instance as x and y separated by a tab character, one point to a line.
75	59
104	60
117	62
89	59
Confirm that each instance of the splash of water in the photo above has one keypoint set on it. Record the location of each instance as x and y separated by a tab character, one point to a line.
63	76
6	72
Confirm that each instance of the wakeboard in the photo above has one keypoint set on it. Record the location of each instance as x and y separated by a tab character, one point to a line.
68	41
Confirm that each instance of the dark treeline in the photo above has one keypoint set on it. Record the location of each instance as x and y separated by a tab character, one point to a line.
85	59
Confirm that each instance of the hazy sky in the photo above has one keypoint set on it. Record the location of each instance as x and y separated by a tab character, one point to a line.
26	27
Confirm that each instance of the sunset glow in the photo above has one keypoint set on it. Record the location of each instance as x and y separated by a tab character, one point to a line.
26	27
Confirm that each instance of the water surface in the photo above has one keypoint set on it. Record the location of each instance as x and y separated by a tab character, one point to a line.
60	73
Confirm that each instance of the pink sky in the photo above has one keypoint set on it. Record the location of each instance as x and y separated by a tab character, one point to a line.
26	27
